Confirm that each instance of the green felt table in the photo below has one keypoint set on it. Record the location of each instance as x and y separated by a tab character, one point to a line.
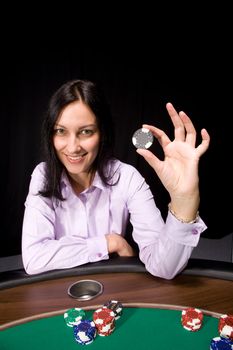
141	327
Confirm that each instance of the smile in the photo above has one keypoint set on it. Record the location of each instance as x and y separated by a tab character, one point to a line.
75	158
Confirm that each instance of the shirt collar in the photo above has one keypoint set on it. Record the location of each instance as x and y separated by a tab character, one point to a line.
97	182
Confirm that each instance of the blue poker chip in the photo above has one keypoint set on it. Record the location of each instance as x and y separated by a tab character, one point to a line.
142	138
221	343
85	332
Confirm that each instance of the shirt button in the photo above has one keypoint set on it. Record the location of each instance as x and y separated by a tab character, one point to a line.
99	255
194	231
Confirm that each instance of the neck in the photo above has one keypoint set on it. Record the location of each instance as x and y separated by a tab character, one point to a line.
81	183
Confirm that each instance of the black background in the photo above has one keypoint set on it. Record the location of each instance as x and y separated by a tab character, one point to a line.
142	61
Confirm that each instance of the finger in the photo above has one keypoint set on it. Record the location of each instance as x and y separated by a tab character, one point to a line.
189	128
151	159
159	134
179	132
202	148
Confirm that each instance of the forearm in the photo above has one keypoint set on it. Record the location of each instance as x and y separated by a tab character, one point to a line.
166	250
166	262
67	252
48	245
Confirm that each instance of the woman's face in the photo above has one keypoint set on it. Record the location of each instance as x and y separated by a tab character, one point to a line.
76	139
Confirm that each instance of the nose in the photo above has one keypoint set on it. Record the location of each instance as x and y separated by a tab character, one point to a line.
73	144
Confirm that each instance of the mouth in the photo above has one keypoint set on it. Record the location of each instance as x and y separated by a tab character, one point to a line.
75	159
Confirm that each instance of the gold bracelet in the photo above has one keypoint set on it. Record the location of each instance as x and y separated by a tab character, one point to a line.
182	220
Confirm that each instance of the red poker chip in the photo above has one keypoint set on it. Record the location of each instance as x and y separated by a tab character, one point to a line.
225	326
105	331
104	320
104	314
191	319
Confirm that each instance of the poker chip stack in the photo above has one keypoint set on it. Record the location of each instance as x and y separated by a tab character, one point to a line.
104	320
85	332
73	316
221	343
191	319
225	326
116	307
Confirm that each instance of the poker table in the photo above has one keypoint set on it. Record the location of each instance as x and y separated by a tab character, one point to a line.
32	307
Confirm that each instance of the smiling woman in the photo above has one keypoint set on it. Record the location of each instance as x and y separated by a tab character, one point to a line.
81	198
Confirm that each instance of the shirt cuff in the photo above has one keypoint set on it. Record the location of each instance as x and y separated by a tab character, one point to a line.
97	248
184	233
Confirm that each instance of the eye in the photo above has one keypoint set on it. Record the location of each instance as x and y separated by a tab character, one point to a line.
86	132
59	131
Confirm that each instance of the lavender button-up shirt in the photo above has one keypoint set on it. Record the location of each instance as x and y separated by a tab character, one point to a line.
65	234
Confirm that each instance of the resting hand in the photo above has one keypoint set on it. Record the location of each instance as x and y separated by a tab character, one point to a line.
178	171
117	244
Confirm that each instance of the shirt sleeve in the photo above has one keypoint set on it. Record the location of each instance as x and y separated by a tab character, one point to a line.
164	247
41	249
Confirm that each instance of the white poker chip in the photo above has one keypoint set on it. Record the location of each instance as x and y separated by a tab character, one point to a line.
143	138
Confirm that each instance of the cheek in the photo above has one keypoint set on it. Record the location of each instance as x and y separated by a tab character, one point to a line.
93	145
58	144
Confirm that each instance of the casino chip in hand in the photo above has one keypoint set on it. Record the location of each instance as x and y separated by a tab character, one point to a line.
142	138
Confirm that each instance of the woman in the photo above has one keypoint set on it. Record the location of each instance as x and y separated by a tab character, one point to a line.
81	198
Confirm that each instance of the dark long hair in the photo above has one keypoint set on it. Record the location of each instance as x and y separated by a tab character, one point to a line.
87	92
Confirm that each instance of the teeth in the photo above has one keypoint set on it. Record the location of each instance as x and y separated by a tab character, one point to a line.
75	158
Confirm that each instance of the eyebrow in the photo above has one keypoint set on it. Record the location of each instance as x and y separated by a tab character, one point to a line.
88	126
82	127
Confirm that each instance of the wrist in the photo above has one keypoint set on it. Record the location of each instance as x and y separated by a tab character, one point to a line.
191	219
